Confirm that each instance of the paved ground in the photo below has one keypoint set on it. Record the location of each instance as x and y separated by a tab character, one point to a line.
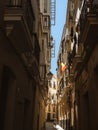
49	126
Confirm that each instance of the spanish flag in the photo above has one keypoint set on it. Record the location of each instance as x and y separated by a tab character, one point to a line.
63	67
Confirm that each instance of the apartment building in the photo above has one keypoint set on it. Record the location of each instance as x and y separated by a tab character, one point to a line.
45	40
85	65
82	26
63	79
23	84
19	58
47	18
52	102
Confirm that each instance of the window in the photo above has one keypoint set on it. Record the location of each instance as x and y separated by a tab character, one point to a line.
45	21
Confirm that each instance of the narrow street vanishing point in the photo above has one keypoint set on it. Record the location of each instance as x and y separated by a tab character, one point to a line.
31	96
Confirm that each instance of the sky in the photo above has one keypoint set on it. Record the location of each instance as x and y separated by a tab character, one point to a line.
56	31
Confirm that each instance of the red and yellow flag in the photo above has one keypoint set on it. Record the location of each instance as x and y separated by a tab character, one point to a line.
63	67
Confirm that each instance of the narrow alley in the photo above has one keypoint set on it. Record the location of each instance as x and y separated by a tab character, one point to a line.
32	97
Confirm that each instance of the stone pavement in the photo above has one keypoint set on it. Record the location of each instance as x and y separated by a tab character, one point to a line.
49	126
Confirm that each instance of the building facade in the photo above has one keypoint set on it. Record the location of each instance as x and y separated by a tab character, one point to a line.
82	49
63	80
23	88
85	66
51	108
45	40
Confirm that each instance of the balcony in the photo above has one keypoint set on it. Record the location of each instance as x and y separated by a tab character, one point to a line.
87	38
46	23
75	59
19	24
89	23
20	11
